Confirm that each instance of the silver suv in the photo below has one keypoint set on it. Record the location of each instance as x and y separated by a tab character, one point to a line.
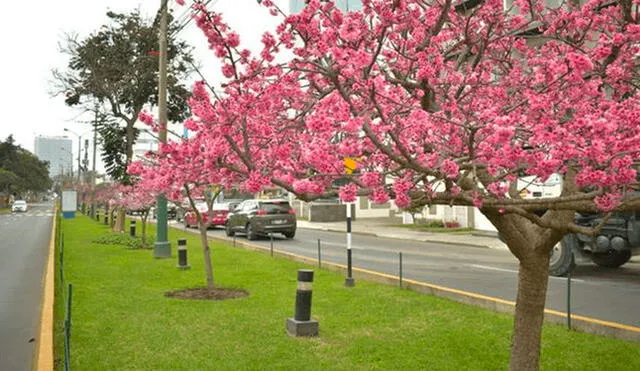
261	217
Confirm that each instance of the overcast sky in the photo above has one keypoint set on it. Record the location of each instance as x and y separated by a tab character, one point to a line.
30	33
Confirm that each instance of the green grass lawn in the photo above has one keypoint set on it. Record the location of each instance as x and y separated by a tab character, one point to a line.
123	321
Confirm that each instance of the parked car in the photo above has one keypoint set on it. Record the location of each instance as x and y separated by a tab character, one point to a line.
219	213
19	206
261	217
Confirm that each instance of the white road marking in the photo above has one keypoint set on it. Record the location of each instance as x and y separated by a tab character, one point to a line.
515	271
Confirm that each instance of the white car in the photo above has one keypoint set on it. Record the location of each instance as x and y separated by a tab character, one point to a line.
19	205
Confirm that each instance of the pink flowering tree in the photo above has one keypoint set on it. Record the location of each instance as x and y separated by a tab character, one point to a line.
140	198
179	170
441	103
105	195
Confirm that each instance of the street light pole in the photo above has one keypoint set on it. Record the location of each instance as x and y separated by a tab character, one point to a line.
162	248
79	149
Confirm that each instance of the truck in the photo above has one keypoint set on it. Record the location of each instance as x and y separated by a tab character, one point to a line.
614	245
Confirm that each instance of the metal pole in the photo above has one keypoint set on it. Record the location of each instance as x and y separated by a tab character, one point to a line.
93	166
79	151
349	281
319	255
569	299
271	237
400	255
162	248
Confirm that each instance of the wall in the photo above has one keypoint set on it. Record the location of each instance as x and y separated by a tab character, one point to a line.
328	212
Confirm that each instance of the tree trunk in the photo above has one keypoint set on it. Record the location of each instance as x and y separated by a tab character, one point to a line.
531	245
207	255
121	220
145	215
533	278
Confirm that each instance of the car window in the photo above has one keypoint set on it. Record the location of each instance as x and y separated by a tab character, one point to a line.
223	206
276	207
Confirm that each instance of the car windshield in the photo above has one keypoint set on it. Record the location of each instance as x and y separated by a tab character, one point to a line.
20	203
276	207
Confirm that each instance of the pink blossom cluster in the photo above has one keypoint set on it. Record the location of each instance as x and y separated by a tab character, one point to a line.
425	94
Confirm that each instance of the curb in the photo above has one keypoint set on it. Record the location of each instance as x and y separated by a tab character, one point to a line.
423	239
580	323
43	355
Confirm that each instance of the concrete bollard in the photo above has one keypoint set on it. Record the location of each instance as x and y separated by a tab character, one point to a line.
132	229
302	324
182	254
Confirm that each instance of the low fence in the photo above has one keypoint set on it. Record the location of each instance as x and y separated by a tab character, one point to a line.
67	297
572	321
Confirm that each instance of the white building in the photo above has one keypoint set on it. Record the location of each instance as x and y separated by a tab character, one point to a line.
57	151
295	6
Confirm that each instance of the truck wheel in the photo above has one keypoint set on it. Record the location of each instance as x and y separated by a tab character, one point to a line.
290	235
251	234
562	259
611	259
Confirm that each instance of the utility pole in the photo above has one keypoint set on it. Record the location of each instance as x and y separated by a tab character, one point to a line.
79	154
93	164
162	248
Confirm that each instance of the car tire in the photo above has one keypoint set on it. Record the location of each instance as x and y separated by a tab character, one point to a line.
251	234
289	235
228	231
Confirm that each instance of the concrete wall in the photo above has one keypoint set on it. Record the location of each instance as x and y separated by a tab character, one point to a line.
329	212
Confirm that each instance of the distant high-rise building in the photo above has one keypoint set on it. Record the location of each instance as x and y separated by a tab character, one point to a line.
295	6
58	152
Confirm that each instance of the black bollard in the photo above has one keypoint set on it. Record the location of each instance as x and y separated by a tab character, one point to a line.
302	324
182	254
132	228
106	219
97	215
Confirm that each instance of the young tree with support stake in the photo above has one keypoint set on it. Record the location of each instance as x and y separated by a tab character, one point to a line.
179	170
453	104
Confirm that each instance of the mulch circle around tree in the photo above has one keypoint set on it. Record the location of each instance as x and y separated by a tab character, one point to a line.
203	293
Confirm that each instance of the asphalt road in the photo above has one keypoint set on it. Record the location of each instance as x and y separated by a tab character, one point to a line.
24	243
606	294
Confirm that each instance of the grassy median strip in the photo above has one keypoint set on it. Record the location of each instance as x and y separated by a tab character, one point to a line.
123	321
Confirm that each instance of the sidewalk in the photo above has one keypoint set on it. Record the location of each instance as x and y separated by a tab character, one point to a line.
382	227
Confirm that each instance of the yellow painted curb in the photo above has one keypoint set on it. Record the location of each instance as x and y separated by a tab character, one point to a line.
44	343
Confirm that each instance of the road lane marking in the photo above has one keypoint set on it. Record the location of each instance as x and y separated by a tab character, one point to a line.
515	271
